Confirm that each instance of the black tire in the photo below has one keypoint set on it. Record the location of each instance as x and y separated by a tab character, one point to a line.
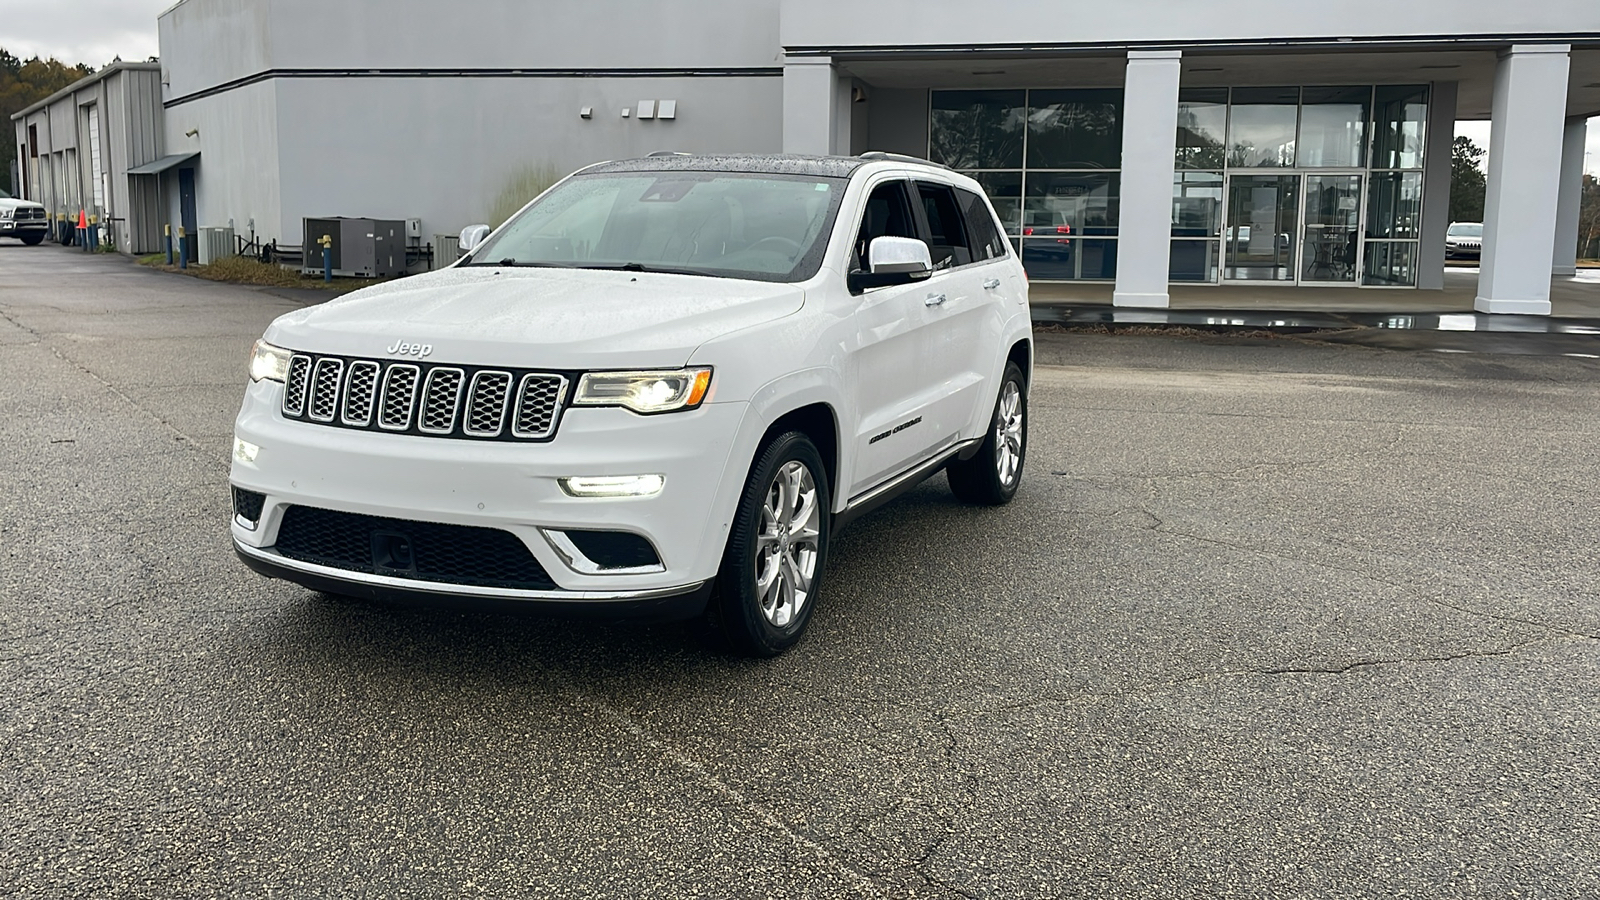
982	479
751	621
32	240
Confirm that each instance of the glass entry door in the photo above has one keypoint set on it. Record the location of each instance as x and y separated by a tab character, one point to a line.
1263	223
1331	237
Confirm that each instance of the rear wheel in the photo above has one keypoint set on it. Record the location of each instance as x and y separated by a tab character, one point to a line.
32	240
992	475
772	568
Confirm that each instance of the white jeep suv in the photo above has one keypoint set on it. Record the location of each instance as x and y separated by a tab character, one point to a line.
657	390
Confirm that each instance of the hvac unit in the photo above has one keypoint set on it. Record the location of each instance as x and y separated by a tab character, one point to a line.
446	249
214	245
361	248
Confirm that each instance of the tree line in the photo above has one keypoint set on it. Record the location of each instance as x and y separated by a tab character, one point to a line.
1468	185
24	83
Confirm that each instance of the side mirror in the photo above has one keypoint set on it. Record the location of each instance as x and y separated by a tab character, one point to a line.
893	260
899	256
472	236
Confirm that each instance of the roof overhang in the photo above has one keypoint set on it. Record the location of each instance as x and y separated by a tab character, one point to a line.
156	167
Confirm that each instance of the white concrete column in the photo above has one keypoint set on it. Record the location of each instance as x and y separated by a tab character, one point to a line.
1149	140
810	105
1436	152
1519	215
1569	197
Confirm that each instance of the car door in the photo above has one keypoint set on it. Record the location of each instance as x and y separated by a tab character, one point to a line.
966	289
888	381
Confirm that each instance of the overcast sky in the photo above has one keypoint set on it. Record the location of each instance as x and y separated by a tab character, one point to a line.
81	31
96	31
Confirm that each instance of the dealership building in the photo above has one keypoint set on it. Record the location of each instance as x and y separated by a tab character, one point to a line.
1136	145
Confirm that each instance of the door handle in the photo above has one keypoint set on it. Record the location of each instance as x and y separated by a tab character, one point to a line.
991	284
934	300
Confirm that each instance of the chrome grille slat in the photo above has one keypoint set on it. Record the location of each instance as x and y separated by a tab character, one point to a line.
295	384
441	397
360	392
447	401
399	396
539	399
486	404
326	377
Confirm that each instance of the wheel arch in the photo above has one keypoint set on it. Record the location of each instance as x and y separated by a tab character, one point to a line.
820	422
1021	353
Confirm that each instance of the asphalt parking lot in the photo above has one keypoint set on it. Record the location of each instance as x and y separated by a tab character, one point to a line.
1268	618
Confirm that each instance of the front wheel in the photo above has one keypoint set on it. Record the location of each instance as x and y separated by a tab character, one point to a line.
32	240
772	568
991	476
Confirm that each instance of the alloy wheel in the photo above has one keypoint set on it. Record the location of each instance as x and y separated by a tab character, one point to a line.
786	547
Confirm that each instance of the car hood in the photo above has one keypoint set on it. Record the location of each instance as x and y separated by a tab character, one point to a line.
13	203
550	318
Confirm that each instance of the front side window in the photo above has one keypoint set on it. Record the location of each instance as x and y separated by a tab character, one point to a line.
731	225
886	215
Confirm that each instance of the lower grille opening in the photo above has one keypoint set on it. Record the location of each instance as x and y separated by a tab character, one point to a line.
615	549
400	548
247	505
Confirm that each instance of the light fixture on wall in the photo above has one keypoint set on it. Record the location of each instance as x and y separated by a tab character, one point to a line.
858	94
193	132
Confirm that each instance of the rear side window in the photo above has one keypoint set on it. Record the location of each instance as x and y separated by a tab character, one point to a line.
947	238
982	237
886	215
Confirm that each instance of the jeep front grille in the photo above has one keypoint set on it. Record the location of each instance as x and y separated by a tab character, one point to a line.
417	398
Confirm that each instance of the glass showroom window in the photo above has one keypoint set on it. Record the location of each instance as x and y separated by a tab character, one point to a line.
1394	197
1049	160
1197	184
1261	127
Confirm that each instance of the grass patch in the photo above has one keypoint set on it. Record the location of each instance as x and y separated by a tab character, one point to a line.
244	270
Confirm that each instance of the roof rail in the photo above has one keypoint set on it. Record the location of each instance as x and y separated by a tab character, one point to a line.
656	153
902	157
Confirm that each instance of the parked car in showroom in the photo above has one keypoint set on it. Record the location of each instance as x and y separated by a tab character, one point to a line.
23	219
1463	240
657	391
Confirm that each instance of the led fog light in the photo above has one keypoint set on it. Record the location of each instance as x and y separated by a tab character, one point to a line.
613	485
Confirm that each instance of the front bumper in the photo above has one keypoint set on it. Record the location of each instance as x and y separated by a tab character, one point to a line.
660	605
30	226
507	486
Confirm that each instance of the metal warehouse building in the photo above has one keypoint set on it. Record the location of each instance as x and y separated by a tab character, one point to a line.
76	148
1136	145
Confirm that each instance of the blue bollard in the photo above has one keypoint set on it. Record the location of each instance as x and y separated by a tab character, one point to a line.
169	245
183	250
327	264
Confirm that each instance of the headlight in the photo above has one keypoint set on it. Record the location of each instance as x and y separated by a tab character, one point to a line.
644	392
269	362
5	213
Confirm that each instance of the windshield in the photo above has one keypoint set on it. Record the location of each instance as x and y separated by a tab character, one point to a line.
1465	230
732	225
4	195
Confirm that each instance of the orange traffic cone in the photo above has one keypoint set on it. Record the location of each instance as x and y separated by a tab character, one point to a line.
83	219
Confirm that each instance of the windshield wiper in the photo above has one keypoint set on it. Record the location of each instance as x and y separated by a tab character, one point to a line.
513	263
640	267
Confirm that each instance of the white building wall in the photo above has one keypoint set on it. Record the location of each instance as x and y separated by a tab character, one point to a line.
449	166
1024	23
238	174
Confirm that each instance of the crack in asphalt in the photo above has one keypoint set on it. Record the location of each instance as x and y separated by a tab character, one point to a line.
193	444
1362	664
703	772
